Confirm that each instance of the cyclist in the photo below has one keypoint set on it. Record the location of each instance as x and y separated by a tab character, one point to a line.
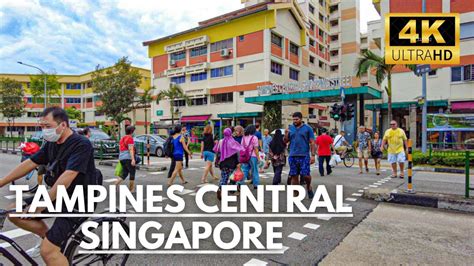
69	157
340	144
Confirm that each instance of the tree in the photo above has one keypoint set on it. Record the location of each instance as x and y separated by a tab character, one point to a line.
11	100
173	93
144	102
74	114
53	88
117	88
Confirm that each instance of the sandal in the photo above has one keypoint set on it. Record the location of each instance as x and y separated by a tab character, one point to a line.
185	182
402	177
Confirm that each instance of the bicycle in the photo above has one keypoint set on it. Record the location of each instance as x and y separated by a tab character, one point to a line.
35	177
348	158
70	248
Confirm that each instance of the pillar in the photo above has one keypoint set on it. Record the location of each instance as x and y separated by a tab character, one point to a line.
361	110
412	123
374	120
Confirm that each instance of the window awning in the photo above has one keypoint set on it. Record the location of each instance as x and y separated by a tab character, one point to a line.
195	118
462	106
404	105
239	115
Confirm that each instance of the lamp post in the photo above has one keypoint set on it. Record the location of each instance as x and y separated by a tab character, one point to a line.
45	77
424	109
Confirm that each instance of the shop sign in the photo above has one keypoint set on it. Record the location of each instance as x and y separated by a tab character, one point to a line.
305	86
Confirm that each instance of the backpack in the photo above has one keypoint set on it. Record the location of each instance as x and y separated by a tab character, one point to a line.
244	156
169	147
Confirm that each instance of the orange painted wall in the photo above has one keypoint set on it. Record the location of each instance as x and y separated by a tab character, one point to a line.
76	105
277	51
89	105
251	44
243	87
287	48
181	63
294	59
462	6
34	105
312	49
197	59
216	56
160	64
413	6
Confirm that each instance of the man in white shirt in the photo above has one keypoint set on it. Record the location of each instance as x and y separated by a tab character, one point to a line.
340	144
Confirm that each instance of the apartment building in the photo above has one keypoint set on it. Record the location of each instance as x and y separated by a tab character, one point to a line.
222	63
77	92
450	88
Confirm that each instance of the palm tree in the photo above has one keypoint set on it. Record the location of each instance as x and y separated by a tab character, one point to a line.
369	61
173	93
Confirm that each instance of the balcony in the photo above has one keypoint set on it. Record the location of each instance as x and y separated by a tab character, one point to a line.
335	15
175	72
335	59
335	29
175	47
364	78
335	45
199	41
197	68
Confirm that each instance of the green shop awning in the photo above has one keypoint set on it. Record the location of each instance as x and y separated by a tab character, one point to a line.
239	115
317	96
404	105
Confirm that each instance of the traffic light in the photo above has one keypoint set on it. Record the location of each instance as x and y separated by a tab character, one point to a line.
349	111
335	112
343	112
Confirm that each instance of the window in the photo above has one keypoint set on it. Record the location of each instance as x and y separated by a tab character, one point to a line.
29	100
221	71
33	114
294	48
241	38
241	93
179	103
202	50
88	100
222	98
311	9
241	66
217	46
89	84
73	100
178	56
73	86
294	74
32	129
311	42
311	25
467	30
462	73
178	80
98	113
277	40
311	59
311	76
276	68
432	72
198	76
199	101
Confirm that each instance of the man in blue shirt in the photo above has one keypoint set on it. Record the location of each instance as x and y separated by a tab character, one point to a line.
301	139
266	139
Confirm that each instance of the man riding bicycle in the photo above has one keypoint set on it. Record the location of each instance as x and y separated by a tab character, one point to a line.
70	162
340	144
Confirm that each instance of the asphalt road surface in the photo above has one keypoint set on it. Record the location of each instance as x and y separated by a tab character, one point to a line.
306	241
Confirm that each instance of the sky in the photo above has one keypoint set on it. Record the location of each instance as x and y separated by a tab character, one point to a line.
74	36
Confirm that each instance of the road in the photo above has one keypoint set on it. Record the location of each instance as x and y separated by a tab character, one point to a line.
306	240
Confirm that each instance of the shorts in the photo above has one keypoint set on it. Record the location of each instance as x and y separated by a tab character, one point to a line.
299	165
396	157
62	228
377	154
341	149
178	157
208	156
363	154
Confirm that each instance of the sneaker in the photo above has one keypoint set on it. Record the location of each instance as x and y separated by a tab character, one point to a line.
34	252
310	194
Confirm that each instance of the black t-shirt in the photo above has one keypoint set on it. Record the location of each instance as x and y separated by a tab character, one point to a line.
208	142
77	154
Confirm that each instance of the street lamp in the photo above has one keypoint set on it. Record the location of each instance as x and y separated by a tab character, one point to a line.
45	77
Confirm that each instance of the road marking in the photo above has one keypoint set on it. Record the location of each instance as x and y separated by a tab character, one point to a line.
378	183
13	234
325	218
356	194
297	236
311	226
192	169
351	199
156	173
255	262
360	190
192	194
110	180
185	191
366	187
284	172
14	195
373	186
346	205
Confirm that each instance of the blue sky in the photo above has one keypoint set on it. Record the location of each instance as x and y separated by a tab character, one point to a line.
74	36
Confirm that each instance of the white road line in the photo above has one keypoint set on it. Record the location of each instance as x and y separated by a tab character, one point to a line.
311	226
351	199
110	180
373	186
297	236
346	205
156	173
14	196
13	234
185	191
192	194
360	190
356	194
324	218
255	262
192	169
366	187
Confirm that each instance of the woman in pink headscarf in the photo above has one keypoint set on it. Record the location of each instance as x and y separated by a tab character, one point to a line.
228	160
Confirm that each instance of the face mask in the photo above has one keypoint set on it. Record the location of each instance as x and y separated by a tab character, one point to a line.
50	135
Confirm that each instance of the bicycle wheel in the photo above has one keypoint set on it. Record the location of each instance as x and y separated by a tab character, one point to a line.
349	160
75	258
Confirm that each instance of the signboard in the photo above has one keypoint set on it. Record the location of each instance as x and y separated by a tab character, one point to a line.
159	112
422	38
450	122
305	86
421	69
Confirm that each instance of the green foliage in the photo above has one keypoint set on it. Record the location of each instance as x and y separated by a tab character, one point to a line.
448	158
194	147
116	87
53	88
173	93
11	99
74	114
272	117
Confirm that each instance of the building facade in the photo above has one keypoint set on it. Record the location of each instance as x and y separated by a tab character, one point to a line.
76	91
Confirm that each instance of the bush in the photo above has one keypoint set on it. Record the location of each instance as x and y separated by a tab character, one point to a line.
452	160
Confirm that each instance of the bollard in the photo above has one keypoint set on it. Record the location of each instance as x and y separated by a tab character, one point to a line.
468	181
410	168
142	151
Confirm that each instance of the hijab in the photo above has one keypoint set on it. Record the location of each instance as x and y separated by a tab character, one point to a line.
277	145
228	146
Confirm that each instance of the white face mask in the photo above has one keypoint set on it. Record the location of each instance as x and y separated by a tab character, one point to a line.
50	135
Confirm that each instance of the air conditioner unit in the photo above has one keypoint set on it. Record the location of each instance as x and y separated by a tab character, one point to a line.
172	62
225	52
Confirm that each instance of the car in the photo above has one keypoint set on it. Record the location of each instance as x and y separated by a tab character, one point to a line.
156	144
104	145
